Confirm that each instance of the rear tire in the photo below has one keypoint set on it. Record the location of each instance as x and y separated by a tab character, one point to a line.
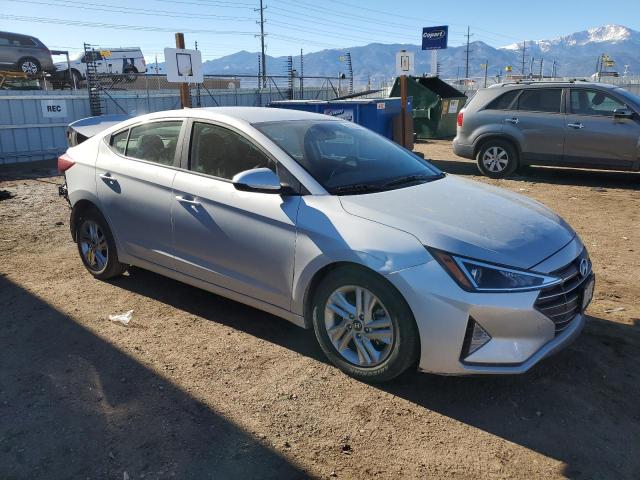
375	342
29	65
497	159
130	74
96	246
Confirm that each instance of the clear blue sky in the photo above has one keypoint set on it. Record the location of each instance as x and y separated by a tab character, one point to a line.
226	26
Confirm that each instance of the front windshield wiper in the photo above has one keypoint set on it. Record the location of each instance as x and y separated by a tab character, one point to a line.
422	177
357	188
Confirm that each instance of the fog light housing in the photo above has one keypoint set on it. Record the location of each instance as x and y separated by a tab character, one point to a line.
475	338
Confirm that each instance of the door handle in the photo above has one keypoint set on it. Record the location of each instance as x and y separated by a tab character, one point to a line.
107	177
577	126
188	201
514	120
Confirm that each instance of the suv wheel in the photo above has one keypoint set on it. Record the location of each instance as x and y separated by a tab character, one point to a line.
497	159
30	66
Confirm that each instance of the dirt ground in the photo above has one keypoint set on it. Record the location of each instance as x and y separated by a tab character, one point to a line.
197	386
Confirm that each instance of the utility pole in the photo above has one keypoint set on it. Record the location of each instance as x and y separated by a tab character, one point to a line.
185	92
524	53
466	75
301	75
531	67
198	102
541	68
486	71
263	64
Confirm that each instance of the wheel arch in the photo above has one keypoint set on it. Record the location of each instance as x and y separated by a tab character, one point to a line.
322	273
79	208
27	57
480	142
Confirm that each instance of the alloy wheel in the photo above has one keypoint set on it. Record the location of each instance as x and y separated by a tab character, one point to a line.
29	67
495	159
94	247
359	326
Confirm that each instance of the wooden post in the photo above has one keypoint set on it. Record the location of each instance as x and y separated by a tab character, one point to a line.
185	94
403	109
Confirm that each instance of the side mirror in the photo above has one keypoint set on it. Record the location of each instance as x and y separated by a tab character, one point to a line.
260	180
623	113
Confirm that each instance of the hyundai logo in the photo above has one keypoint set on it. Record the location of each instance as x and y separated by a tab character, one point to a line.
434	35
584	267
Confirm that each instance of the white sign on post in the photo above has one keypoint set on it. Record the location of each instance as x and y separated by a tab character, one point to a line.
405	63
53	108
183	66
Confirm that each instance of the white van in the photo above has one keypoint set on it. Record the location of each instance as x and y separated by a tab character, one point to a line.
116	61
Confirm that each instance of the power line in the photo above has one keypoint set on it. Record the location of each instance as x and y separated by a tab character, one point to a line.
130	10
117	26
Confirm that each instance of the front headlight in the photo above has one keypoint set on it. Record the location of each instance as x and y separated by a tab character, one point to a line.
477	276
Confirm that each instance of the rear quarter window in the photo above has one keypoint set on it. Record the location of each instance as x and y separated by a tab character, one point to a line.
118	142
505	101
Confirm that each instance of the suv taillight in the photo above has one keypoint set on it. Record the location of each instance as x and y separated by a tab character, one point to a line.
460	118
65	163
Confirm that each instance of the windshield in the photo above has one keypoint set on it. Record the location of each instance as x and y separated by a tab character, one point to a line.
346	158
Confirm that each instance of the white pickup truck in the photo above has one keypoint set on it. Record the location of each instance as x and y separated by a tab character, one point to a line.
115	61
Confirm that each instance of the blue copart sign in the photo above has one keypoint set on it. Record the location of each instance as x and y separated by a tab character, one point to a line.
435	38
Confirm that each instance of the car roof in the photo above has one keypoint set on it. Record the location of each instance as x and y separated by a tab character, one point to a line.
251	115
538	84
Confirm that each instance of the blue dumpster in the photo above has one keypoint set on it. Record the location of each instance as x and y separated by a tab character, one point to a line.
376	114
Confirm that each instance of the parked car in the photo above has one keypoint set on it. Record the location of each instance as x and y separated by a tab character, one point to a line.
24	53
572	124
116	61
332	227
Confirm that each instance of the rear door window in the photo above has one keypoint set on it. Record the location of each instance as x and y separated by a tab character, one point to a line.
540	100
155	142
505	101
593	102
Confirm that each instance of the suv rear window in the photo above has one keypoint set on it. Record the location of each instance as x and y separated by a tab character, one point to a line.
504	101
540	100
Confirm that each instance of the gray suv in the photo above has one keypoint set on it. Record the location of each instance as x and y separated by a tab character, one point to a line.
572	124
24	53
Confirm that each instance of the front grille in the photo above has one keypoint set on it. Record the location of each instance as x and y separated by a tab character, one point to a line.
561	303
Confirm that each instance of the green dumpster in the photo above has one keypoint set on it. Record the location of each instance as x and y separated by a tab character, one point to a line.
435	106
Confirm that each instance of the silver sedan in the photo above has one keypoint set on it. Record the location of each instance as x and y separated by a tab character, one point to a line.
391	262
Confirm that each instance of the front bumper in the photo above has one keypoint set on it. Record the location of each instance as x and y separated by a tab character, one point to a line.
521	335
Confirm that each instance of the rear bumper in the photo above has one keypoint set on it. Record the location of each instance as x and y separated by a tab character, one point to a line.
461	149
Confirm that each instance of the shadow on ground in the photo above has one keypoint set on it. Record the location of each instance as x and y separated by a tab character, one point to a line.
555	176
29	170
580	407
74	406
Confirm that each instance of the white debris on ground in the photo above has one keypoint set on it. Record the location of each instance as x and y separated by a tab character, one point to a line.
123	318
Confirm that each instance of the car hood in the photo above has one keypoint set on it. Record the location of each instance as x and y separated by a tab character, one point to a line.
468	218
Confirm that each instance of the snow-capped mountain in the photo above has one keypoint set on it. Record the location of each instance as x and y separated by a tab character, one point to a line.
575	55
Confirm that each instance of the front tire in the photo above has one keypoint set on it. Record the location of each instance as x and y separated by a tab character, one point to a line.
497	159
97	247
363	325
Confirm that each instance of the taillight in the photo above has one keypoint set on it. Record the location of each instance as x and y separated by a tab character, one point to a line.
460	118
65	163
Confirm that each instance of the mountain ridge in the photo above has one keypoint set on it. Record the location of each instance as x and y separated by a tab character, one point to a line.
575	54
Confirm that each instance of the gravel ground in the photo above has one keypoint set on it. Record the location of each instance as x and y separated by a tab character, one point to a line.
197	386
